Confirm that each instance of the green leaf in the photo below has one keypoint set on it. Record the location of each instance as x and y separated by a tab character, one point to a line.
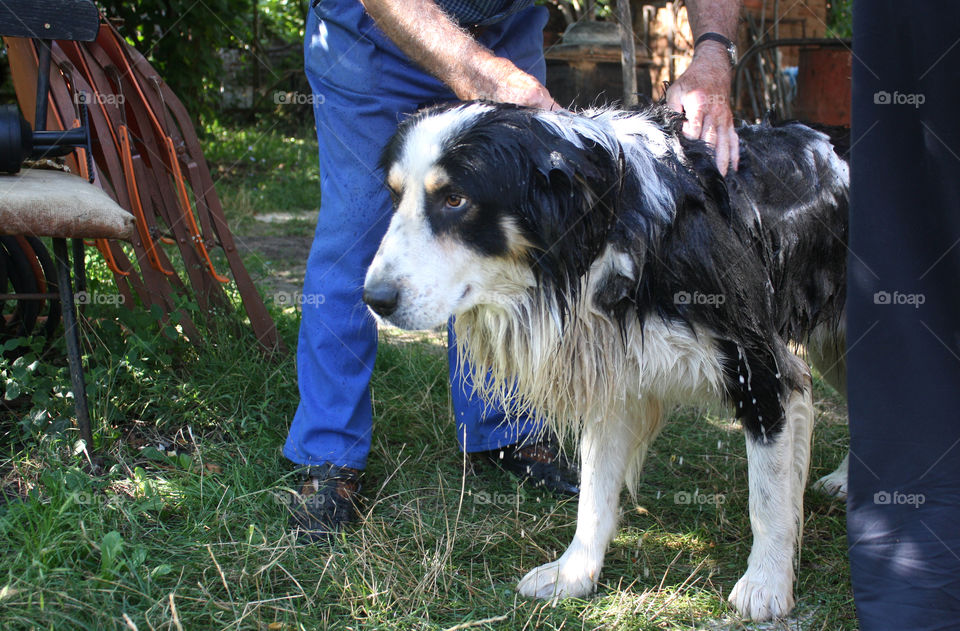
12	391
111	546
161	570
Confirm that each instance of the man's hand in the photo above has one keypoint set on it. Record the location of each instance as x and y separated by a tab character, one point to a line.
702	93
501	81
422	30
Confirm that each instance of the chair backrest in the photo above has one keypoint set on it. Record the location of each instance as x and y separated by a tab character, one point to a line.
46	20
76	20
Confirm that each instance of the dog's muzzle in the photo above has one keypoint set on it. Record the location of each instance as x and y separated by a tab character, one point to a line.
382	296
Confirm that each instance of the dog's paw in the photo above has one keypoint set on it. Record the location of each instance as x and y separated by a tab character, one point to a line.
761	598
560	579
834	484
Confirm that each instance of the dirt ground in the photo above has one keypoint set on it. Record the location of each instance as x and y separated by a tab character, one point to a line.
281	241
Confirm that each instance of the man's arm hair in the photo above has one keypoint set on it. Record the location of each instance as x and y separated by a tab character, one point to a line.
422	30
708	16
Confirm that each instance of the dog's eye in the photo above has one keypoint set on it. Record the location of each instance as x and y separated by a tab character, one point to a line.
455	202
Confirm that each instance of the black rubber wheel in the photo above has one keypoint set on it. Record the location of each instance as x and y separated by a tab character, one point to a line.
20	274
50	275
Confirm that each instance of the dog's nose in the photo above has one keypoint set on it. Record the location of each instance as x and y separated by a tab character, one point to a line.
382	297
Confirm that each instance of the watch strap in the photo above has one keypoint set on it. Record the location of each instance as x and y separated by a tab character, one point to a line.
717	37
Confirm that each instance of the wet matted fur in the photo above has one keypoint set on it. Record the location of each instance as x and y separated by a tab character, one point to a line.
602	271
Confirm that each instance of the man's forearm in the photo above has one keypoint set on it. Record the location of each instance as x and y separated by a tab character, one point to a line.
717	16
713	16
422	30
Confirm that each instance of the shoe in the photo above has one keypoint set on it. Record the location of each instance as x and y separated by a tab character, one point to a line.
328	500
541	463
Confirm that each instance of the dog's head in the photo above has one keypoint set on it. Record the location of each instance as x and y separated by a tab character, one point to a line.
490	202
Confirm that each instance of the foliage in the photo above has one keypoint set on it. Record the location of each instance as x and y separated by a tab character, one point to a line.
283	20
840	18
183	38
263	167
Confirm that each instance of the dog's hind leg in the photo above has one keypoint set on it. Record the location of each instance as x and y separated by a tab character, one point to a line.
607	447
778	473
835	483
828	354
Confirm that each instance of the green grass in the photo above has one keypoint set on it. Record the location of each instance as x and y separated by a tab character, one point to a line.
186	528
260	169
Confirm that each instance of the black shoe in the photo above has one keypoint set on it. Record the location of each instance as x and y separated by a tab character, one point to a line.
327	501
541	463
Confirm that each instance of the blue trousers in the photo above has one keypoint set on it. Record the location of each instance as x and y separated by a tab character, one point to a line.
363	85
903	325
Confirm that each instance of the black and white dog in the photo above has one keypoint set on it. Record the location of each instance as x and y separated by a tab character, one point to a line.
601	271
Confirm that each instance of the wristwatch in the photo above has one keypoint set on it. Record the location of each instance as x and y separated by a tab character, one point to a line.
717	37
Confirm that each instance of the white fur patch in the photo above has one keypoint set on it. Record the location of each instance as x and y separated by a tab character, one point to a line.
425	142
777	477
525	355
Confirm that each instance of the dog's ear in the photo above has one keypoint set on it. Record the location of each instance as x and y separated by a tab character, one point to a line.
572	201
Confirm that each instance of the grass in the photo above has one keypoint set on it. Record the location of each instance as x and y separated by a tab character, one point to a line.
258	169
187	526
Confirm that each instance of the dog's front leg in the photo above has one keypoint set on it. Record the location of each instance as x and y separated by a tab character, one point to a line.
605	449
778	472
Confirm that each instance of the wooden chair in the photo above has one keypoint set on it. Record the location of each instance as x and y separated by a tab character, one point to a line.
49	203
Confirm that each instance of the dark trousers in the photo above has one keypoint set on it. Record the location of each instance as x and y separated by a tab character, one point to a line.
903	332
